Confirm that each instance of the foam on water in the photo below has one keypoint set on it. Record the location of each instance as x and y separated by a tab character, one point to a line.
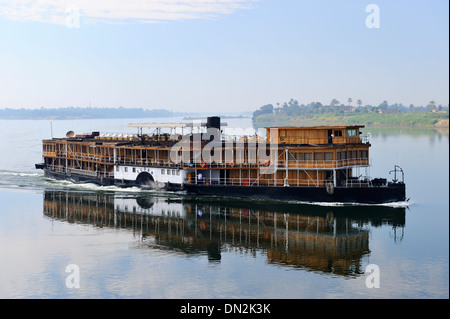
401	204
10	173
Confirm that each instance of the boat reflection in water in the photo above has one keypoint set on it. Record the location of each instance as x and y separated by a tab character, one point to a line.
331	240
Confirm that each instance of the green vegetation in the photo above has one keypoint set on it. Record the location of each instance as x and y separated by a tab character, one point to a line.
383	115
372	119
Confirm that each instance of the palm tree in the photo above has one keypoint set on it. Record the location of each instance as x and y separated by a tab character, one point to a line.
431	106
359	102
349	101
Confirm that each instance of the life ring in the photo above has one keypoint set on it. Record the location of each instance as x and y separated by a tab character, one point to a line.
232	163
266	163
330	188
203	164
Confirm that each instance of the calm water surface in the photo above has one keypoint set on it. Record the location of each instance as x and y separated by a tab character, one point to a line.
129	243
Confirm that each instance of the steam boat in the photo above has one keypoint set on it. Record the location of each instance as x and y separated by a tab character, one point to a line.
309	164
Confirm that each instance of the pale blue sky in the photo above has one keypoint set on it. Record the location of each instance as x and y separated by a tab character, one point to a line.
236	56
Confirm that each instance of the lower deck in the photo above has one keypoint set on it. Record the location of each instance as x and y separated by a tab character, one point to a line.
250	176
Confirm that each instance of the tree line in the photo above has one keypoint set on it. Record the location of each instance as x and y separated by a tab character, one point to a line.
294	108
84	113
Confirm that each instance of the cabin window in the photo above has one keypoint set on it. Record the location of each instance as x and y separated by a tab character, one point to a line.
338	156
126	169
328	156
163	171
168	172
134	169
178	172
173	172
318	156
355	154
352	133
299	157
308	157
117	168
337	133
343	157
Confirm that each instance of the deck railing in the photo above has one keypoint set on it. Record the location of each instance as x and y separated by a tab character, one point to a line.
310	182
84	172
281	163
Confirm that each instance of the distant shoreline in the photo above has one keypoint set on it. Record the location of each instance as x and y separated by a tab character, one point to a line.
401	120
221	116
78	113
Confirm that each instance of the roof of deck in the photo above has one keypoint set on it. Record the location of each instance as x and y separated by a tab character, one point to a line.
320	127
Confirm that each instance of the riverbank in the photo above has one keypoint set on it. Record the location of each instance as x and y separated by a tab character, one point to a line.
422	119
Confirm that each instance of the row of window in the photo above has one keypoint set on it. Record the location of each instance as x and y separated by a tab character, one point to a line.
328	156
356	154
163	171
300	157
170	172
349	133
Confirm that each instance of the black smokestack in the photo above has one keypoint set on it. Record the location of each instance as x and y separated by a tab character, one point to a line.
213	121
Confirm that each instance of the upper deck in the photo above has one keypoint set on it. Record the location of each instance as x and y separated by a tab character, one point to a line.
342	134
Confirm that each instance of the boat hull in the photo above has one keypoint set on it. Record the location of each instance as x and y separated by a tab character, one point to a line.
392	192
102	181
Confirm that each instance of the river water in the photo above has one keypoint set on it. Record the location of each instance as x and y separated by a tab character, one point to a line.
62	240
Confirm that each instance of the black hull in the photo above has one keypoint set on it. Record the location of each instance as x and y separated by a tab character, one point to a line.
75	178
393	192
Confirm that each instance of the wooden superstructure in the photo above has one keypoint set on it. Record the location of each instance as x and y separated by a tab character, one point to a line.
308	156
319	156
